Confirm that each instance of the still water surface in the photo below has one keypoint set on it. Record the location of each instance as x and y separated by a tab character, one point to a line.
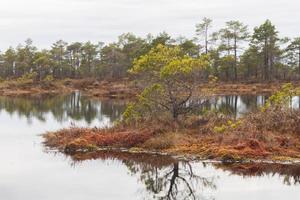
28	172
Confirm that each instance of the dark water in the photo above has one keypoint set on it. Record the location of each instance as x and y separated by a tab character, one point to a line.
28	172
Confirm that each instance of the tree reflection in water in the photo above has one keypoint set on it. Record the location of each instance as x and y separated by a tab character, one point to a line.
63	108
165	178
183	177
78	107
237	106
233	105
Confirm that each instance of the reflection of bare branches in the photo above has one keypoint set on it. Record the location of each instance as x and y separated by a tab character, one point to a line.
186	177
173	189
164	177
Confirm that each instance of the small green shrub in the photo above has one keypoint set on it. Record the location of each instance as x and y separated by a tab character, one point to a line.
281	98
230	125
220	129
27	78
48	78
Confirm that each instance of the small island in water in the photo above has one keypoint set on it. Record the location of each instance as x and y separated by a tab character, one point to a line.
150	100
166	83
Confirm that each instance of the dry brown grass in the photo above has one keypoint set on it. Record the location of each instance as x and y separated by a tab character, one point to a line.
31	88
262	135
274	133
117	89
246	88
83	139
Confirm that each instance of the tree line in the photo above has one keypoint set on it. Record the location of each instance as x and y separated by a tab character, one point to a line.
235	52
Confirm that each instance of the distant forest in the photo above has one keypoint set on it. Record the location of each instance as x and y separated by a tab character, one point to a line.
236	53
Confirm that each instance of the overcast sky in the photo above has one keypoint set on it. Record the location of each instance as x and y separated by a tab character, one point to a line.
46	21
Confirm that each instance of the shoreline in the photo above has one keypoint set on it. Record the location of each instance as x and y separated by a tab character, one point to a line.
180	157
125	89
197	140
183	144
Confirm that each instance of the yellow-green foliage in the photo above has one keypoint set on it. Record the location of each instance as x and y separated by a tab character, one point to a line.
131	113
134	111
155	88
212	79
168	75
27	78
234	125
182	66
163	62
220	129
157	58
230	125
48	78
282	97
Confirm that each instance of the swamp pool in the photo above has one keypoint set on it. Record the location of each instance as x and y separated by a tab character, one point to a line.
28	171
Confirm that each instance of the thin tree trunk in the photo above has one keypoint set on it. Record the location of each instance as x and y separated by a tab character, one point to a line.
299	59
235	58
206	40
266	61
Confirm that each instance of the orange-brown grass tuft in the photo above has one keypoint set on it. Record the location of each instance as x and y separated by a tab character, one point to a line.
77	139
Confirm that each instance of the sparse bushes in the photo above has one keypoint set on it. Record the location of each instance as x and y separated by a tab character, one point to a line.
169	80
271	132
27	78
229	126
277	115
280	120
282	98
